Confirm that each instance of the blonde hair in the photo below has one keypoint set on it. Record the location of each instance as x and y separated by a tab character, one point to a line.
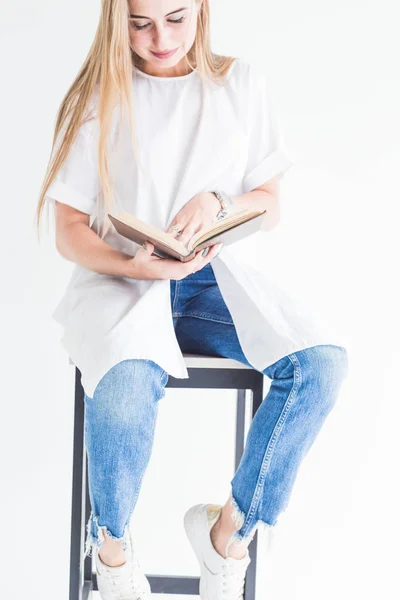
107	72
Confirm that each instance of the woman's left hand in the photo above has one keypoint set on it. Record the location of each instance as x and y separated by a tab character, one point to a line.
200	211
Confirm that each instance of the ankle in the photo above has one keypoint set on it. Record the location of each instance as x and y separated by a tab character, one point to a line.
223	528
112	553
116	560
220	539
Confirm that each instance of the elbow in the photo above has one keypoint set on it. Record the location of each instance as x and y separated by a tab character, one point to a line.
61	246
272	217
65	239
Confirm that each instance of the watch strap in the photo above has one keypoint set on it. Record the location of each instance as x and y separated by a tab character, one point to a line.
225	202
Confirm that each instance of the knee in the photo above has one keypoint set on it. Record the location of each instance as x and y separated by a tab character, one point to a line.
128	390
326	365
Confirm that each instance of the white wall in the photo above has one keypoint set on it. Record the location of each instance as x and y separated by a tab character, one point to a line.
334	69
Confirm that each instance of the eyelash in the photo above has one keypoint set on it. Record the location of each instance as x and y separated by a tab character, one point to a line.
141	27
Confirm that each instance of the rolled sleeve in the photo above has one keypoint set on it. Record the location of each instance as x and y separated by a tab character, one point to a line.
77	182
268	156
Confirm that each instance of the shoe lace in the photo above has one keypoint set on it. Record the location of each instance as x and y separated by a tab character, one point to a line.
124	583
233	578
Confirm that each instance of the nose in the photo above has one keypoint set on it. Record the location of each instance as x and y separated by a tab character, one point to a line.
160	41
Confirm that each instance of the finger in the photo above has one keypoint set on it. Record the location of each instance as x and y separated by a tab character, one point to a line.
175	233
188	233
148	247
175	269
197	263
213	251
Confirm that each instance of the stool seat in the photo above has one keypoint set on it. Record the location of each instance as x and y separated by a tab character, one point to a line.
200	361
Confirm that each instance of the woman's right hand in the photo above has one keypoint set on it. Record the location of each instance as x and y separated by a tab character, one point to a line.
145	265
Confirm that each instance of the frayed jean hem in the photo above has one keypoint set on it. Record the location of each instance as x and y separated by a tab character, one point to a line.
238	517
96	535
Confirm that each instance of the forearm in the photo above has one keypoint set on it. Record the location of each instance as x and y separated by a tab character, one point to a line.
80	244
260	200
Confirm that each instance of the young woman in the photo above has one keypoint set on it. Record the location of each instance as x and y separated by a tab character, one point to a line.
157	125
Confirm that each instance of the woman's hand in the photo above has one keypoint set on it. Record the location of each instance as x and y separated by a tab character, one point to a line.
199	212
146	266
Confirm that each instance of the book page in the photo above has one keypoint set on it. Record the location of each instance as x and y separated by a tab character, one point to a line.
153	232
240	216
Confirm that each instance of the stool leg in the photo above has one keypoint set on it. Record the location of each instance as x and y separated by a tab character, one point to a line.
77	525
88	567
250	584
257	398
240	425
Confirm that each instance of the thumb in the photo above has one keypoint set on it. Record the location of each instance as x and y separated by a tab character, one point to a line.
148	247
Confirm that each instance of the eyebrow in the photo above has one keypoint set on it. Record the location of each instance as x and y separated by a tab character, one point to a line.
171	13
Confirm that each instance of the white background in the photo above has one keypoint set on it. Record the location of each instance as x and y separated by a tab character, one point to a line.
334	68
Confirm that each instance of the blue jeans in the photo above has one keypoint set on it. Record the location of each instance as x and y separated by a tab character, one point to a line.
120	418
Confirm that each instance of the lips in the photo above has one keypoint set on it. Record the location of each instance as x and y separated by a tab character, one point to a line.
164	54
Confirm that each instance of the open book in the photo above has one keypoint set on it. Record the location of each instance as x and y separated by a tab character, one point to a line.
227	230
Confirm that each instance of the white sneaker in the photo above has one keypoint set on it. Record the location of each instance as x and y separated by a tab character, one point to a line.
221	578
126	582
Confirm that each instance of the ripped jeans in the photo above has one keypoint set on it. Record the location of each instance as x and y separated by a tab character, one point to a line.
120	418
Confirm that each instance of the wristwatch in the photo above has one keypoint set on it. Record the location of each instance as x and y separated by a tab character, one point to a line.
225	201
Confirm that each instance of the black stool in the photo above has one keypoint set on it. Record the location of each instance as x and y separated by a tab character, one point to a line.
204	373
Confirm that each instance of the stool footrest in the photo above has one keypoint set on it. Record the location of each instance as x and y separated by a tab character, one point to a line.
174	584
164	584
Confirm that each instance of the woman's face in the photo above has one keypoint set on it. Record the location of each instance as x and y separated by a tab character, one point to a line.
161	25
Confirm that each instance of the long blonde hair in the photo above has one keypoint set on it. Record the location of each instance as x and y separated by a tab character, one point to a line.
107	70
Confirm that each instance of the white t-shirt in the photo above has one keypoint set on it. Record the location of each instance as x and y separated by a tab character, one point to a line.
191	139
